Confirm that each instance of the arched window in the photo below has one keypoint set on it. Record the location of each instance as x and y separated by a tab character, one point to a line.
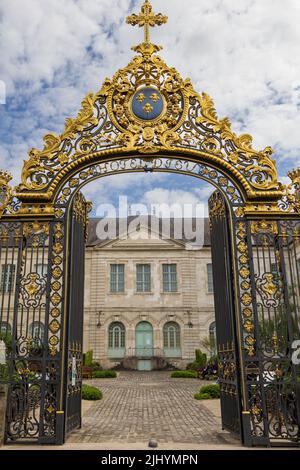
37	331
116	340
213	338
172	345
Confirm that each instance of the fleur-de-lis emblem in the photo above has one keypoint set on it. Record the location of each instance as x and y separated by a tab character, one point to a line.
141	97
154	97
148	108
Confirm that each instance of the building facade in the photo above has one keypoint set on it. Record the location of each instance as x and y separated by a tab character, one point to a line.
148	298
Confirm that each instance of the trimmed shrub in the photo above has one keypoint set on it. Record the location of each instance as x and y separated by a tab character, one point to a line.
202	396
201	358
186	374
208	392
91	393
199	363
96	366
213	390
88	358
193	366
104	374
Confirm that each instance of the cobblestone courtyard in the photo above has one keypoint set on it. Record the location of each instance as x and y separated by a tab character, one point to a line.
138	406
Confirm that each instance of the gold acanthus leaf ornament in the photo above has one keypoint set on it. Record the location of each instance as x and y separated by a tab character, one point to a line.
244	156
6	192
290	201
53	143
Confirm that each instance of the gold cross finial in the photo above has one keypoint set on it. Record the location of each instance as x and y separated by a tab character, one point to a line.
147	18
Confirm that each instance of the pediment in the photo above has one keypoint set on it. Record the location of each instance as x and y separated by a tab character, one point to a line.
142	239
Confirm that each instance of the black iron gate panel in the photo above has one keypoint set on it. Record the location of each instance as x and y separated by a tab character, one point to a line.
75	306
225	314
273	378
31	270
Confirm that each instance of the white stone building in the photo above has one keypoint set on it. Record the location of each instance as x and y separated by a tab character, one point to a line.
148	297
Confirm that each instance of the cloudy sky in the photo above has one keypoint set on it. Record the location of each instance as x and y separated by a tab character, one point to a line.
244	53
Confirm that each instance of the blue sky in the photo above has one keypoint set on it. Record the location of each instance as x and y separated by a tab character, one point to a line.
244	53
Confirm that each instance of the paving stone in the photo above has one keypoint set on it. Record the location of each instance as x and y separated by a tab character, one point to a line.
138	406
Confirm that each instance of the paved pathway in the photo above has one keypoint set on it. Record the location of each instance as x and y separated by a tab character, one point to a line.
140	405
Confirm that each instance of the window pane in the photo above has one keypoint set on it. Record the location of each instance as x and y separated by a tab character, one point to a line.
273	268
116	336
143	278
5	328
169	277
210	284
117	282
7	277
171	335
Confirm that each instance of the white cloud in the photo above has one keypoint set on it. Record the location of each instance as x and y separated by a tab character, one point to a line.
187	203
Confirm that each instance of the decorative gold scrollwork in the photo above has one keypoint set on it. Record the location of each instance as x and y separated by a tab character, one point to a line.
290	201
264	226
269	289
216	205
5	190
56	289
32	288
246	290
188	123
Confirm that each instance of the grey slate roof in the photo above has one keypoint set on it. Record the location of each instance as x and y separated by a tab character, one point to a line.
93	239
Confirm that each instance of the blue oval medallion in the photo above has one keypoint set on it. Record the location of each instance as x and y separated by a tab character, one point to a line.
147	103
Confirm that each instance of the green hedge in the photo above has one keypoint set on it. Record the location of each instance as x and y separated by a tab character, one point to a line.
187	374
208	392
91	393
104	374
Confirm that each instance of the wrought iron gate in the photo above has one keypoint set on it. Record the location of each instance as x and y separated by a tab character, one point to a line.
272	369
43	375
258	329
32	370
227	342
74	328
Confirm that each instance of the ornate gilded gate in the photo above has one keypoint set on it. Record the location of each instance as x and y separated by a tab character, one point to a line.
147	118
227	329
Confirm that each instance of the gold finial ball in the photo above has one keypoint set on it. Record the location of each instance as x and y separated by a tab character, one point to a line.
5	177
